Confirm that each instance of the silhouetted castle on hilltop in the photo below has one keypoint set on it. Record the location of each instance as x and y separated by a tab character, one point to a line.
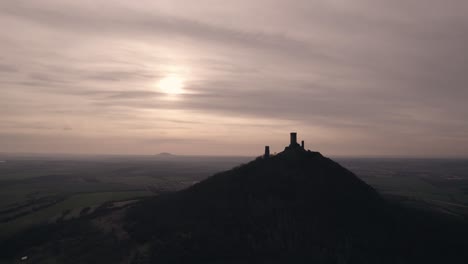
295	205
293	145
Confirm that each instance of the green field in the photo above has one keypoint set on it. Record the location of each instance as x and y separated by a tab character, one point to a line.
35	190
74	203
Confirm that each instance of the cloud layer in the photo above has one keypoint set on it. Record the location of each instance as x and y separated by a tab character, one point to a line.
353	78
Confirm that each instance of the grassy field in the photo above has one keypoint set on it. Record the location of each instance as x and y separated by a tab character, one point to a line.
74	204
35	190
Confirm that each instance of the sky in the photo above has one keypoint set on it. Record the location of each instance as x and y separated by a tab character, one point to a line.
206	77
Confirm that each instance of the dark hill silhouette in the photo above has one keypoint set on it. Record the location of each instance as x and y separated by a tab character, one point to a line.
297	201
297	206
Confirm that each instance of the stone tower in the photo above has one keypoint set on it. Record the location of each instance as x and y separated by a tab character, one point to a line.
293	139
267	152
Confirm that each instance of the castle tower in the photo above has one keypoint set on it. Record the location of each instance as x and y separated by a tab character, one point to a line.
267	152
293	139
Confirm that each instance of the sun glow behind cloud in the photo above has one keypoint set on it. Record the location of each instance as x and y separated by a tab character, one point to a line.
132	76
172	84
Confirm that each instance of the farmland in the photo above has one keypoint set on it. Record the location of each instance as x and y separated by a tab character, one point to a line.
44	189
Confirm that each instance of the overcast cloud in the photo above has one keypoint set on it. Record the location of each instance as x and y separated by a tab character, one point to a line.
354	78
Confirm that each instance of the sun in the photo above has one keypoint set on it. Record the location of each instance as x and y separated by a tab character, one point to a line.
172	85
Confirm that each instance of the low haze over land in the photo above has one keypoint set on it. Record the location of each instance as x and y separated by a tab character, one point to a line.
228	77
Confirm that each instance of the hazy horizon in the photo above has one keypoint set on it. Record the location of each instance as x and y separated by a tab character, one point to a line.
361	78
194	155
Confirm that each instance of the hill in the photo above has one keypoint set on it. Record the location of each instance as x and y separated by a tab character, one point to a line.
297	204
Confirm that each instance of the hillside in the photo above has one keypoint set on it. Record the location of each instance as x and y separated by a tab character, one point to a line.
297	203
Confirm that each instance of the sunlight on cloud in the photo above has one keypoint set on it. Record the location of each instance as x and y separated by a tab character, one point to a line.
171	85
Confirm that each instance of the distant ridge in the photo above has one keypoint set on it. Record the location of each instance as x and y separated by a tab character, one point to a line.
165	154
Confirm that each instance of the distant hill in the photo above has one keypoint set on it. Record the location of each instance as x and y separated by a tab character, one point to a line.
165	154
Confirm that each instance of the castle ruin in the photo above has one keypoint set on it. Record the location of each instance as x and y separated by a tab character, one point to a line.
292	145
